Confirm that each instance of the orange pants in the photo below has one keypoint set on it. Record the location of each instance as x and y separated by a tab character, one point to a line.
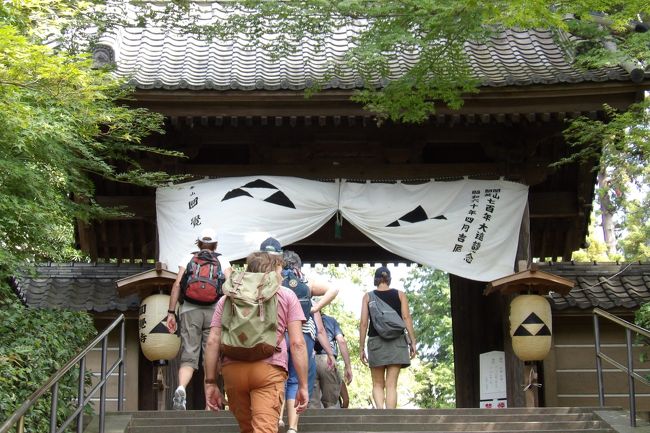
255	392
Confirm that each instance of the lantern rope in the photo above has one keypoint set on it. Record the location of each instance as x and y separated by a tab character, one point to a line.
531	381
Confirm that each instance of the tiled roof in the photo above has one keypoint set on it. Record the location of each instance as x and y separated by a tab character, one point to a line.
78	286
154	58
602	285
92	287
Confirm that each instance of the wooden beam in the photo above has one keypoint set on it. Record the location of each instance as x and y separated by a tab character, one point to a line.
349	170
572	97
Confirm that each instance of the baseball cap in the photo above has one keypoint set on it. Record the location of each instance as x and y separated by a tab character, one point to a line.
271	245
382	271
208	236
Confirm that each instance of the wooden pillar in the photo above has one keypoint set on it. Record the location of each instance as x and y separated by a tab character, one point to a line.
515	375
478	327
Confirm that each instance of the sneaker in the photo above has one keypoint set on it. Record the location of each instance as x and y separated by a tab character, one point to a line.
179	398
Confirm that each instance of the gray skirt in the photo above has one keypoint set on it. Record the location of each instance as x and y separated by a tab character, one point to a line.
383	352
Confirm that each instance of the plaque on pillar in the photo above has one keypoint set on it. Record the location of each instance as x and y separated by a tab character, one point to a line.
493	380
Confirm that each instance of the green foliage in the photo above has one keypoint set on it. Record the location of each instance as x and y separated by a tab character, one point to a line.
62	123
636	244
429	299
33	345
621	145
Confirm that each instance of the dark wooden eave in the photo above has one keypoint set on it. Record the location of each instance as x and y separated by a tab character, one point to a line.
546	102
509	132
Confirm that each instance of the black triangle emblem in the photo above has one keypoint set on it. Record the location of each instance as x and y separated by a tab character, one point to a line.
238	192
259	183
544	331
280	199
416	215
160	328
394	224
533	319
522	332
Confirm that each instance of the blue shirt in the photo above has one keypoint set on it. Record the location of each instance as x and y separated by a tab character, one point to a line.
332	329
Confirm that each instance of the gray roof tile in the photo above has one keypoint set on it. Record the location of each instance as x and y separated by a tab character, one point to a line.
602	285
154	58
78	286
92	287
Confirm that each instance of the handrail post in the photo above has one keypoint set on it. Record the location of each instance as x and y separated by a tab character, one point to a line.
53	406
102	392
81	400
599	363
120	376
630	378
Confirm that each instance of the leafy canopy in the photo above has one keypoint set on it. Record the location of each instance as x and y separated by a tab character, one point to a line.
62	123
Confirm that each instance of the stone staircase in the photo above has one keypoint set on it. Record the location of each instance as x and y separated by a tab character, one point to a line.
512	420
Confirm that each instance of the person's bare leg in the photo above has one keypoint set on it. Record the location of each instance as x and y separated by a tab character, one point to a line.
184	376
392	374
378	386
292	415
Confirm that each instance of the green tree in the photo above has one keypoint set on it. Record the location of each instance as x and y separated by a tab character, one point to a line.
429	299
63	123
621	144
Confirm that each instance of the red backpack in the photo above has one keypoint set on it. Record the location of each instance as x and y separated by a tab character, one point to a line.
203	278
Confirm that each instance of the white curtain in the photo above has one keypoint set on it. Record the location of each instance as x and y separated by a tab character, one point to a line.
469	227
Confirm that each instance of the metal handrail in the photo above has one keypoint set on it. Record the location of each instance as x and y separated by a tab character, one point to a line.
629	369
17	419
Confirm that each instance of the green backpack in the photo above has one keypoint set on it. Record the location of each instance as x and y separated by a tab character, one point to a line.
250	316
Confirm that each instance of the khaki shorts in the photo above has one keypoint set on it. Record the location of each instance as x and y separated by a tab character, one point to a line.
328	385
195	328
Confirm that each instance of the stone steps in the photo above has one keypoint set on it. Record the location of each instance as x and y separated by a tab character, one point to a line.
511	420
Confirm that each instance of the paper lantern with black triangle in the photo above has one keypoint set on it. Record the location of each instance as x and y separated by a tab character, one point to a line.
156	342
530	327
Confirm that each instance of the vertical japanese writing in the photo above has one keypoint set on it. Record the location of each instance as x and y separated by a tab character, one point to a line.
467	223
192	202
475	226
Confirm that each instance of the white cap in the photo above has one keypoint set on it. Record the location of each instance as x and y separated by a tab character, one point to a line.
208	236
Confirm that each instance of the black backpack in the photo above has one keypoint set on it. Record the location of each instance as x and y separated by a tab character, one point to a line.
295	282
203	279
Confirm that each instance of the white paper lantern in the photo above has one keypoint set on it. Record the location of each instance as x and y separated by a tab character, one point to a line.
530	327
155	340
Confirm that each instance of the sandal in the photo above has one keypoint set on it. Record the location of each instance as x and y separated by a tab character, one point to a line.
292	430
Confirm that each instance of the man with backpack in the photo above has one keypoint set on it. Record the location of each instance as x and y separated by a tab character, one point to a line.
248	331
198	286
327	390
